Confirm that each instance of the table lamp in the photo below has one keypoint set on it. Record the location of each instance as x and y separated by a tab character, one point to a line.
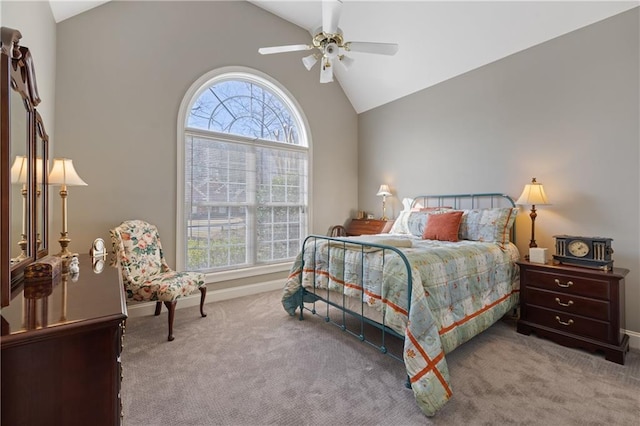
63	174
533	195
384	191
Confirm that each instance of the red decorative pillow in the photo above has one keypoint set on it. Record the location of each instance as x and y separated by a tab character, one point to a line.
443	226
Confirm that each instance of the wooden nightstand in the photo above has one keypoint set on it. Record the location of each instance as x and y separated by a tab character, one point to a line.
368	226
576	307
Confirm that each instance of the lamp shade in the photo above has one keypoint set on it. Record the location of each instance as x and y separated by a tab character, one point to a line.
310	61
533	194
384	190
326	73
19	170
346	61
63	173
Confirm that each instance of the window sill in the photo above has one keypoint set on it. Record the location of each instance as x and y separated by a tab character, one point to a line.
247	272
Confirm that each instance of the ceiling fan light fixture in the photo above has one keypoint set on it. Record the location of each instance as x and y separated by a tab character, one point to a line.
346	61
310	61
326	73
331	50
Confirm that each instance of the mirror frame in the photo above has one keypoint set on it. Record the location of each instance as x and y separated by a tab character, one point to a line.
41	220
17	73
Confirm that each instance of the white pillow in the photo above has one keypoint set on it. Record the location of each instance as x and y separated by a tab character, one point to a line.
400	224
406	203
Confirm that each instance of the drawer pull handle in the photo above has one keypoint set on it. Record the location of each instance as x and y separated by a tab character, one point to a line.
568	284
569	303
564	323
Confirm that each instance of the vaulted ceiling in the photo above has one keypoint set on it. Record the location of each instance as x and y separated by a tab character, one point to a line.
438	39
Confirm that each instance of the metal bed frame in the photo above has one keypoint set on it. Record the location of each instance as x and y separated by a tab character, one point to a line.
456	201
346	311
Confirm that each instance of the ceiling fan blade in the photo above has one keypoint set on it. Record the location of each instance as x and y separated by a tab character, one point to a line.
330	16
366	47
282	49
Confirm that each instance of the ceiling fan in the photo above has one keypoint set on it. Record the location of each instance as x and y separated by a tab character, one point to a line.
330	43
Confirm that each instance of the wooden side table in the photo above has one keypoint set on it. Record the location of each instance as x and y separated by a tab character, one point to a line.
575	307
368	226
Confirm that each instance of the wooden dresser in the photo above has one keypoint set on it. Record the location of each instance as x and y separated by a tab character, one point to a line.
61	347
576	307
368	226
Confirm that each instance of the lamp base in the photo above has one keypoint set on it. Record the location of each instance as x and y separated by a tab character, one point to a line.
23	250
66	254
64	243
22	256
533	214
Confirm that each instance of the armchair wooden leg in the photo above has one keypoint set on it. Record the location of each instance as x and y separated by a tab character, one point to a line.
158	308
203	294
172	310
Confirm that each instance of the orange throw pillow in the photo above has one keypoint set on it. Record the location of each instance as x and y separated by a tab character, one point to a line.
443	226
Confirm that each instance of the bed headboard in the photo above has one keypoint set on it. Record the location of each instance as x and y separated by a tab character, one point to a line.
467	201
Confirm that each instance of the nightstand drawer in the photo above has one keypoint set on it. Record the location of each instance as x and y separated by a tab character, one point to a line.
569	323
569	303
368	226
569	284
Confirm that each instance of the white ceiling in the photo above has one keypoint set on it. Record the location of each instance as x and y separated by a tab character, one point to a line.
63	9
438	39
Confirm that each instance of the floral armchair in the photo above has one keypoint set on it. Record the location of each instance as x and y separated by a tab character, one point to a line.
145	273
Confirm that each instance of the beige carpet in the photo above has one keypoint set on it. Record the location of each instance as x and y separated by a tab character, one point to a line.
249	363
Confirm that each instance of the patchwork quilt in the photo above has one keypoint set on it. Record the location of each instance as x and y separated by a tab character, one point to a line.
459	289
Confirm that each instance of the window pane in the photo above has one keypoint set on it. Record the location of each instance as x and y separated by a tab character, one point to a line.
245	203
246	109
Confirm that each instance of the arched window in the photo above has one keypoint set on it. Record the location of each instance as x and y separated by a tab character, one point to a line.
245	161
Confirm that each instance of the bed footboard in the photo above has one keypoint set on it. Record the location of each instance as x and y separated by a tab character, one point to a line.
314	264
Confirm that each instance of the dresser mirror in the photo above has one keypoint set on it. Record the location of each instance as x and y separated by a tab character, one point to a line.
24	156
19	248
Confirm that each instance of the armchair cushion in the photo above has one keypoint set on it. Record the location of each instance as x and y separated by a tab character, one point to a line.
167	286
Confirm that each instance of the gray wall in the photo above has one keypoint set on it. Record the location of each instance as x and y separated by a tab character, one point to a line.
565	111
35	21
123	70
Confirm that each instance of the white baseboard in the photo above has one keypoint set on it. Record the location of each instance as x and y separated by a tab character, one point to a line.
143	309
634	339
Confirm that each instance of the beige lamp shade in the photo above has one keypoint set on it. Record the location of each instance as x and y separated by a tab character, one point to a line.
63	173
533	194
384	190
19	170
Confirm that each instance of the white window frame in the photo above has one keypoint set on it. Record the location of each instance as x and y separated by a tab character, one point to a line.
192	94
